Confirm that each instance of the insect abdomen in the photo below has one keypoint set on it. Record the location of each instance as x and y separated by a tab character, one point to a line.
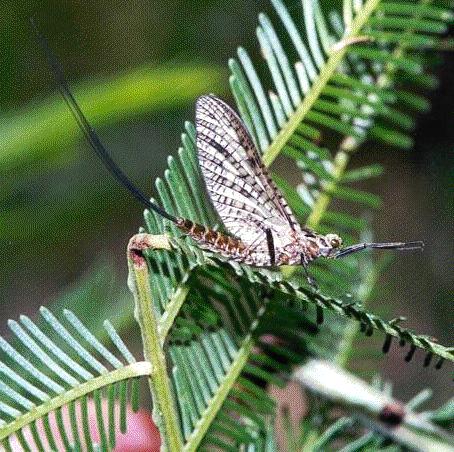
212	240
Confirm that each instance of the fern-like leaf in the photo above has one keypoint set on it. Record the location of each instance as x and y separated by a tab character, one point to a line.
213	313
50	371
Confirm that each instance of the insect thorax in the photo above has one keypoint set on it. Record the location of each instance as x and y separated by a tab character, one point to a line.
302	248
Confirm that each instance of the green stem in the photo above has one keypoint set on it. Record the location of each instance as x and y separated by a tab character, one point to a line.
221	394
340	163
164	409
133	370
172	310
323	78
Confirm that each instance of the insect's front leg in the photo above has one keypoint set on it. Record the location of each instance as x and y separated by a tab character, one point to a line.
270	244
310	279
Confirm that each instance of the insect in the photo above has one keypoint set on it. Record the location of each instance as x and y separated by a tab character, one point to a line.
262	230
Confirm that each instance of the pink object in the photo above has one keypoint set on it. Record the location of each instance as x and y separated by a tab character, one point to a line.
142	434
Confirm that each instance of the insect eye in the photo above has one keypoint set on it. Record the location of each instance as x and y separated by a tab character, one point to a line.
335	243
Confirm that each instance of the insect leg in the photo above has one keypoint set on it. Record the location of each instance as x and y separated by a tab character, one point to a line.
270	243
310	279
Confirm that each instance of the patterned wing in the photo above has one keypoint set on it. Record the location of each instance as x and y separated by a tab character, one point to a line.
239	186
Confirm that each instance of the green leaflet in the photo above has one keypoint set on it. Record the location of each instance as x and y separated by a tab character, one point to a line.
50	368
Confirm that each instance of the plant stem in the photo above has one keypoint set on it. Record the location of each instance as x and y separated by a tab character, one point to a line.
164	409
340	163
221	394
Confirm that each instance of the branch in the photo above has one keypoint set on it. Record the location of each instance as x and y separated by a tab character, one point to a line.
371	322
164	410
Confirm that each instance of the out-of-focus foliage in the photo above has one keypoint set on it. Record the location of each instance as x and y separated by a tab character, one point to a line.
48	182
47	129
45	135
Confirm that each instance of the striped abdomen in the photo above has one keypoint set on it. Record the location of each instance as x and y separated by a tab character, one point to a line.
213	240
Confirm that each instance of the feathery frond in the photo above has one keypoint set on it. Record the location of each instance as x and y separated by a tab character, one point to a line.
50	371
337	82
214	313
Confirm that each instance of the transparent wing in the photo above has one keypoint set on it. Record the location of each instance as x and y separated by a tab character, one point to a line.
239	186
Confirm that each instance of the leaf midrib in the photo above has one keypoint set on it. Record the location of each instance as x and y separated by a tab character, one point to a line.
133	370
220	396
323	78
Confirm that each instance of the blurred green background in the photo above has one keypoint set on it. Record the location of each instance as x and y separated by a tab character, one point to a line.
137	68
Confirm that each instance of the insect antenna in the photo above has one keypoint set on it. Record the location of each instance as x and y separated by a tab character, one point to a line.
401	246
90	134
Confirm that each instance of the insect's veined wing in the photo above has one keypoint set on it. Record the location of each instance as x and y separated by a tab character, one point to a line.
239	186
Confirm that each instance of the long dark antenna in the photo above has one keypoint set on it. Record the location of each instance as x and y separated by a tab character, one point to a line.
403	246
88	130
